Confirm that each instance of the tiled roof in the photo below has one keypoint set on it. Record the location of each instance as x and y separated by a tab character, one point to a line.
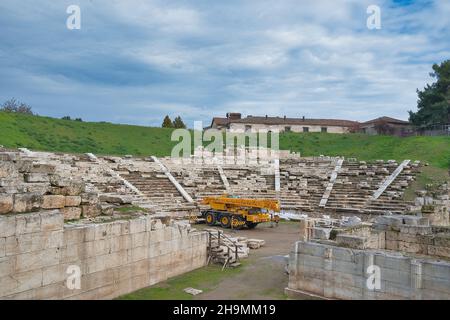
296	121
386	119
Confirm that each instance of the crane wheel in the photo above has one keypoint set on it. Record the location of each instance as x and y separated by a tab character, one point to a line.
237	223
251	225
225	220
210	219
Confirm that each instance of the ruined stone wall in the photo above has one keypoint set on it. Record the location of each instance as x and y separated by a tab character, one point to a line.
341	273
115	258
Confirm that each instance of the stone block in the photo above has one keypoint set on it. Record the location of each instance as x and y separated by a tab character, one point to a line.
6	203
71	213
89	198
39	188
37	260
321	233
27	202
20	282
52	220
72	201
91	210
138	225
6	267
116	199
7	225
36	177
43	168
73	189
53	202
7	169
352	241
28	223
2	247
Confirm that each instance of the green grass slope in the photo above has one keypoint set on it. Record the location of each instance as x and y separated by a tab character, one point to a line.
43	133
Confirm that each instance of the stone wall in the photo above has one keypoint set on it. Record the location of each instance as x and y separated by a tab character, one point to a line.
341	273
115	258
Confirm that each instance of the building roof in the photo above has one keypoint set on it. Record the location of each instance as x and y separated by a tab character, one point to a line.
220	121
387	120
295	121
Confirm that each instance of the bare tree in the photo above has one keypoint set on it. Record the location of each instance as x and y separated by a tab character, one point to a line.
12	105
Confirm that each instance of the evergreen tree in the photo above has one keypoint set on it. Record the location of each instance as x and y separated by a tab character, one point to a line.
167	123
178	123
434	100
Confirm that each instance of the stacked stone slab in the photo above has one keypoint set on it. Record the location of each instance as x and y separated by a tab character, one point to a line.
413	256
39	255
335	272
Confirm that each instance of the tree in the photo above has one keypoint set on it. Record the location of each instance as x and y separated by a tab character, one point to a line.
79	119
12	105
167	123
434	100
178	123
66	118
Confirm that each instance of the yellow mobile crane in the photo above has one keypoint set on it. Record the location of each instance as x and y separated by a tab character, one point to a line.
235	213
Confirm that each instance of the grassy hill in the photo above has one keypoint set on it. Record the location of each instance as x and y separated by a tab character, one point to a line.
43	133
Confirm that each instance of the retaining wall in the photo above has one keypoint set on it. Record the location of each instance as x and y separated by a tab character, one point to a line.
341	273
115	258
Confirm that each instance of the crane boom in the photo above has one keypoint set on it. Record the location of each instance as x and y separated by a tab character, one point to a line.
268	204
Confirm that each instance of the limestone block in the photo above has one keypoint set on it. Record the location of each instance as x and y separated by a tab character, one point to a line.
352	241
28	223
6	203
2	247
442	240
6	267
72	201
51	220
102	231
74	189
37	260
24	165
7	225
89	198
53	202
20	282
108	209
91	210
321	233
138	225
116	199
27	202
40	188
36	177
73	235
7	169
439	251
42	168
71	213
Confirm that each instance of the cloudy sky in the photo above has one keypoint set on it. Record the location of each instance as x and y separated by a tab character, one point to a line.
135	61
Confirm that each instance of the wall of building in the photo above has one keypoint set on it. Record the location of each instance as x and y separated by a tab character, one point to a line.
341	273
281	128
115	258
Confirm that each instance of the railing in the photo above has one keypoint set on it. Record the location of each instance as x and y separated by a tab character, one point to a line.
220	235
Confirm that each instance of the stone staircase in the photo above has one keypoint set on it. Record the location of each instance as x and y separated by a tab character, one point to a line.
222	249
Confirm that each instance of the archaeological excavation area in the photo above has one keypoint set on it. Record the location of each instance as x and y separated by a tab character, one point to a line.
85	226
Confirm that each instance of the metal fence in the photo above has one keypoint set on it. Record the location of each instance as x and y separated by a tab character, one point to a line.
435	130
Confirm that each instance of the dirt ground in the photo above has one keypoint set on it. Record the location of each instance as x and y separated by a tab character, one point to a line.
263	275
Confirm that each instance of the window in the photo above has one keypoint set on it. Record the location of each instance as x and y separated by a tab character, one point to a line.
248	128
324	129
305	129
287	129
